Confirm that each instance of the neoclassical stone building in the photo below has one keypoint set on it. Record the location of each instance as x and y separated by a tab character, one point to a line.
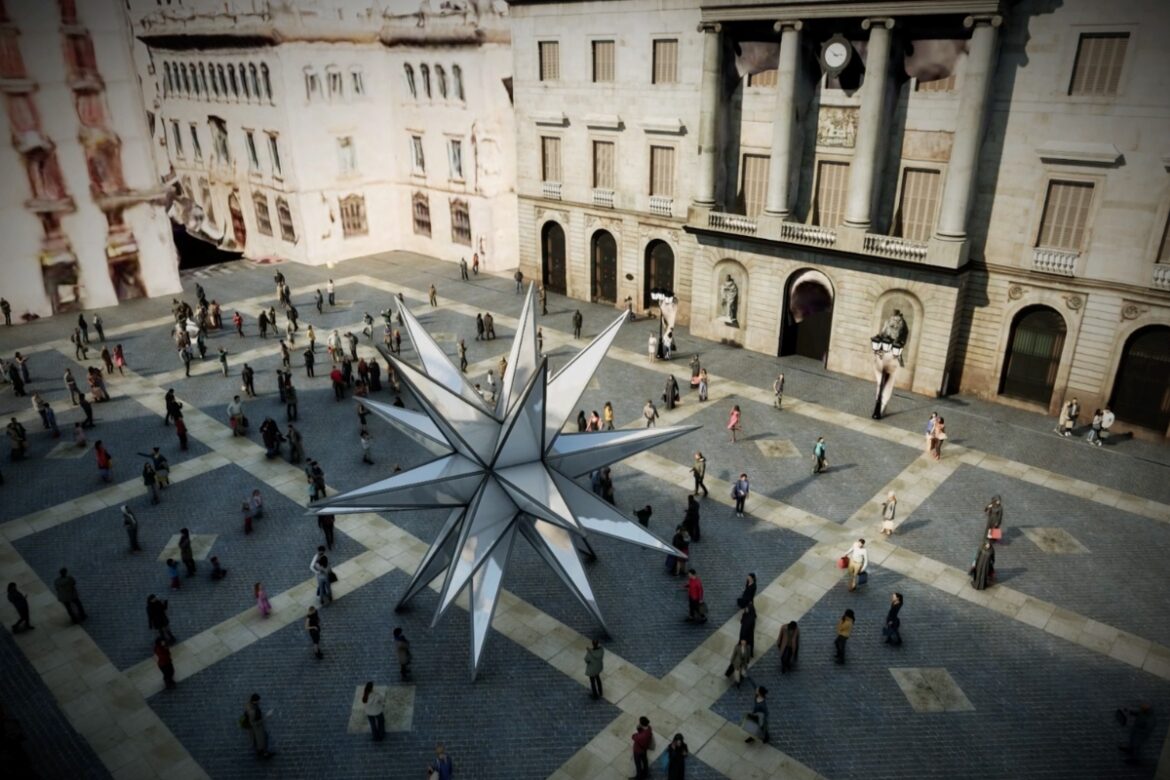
999	172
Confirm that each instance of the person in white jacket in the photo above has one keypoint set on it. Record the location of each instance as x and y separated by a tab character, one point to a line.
858	561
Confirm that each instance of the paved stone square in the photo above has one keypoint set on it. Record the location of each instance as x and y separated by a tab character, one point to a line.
1020	680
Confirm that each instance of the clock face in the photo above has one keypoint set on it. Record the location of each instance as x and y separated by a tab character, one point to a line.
836	53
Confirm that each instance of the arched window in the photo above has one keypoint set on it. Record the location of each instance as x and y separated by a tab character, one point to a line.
203	80
1035	346
167	83
441	80
422	214
263	218
353	216
460	222
214	81
244	82
426	79
186	81
195	82
267	81
457	79
255	81
284	215
409	73
223	87
231	69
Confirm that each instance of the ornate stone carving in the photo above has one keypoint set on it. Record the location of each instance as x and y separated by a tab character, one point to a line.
593	221
1131	311
543	214
1015	292
1074	302
837	126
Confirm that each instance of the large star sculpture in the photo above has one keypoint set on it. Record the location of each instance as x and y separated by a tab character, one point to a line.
505	470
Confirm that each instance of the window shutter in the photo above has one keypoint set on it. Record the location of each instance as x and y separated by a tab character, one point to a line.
919	206
754	190
662	171
665	62
1098	65
550	148
832	183
603	160
603	61
1066	212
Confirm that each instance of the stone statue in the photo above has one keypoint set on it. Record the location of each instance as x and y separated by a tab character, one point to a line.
729	302
895	328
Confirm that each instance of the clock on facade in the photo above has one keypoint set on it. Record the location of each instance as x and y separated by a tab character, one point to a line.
835	55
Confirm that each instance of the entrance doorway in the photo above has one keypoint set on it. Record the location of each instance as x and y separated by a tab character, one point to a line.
552	258
659	271
239	230
808	316
1141	392
1033	355
603	270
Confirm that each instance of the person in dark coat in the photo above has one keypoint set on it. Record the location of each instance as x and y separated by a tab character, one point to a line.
747	628
691	518
893	622
644	515
156	617
788	644
983	567
749	592
594	664
66	588
994	514
20	604
670	392
162	656
676	759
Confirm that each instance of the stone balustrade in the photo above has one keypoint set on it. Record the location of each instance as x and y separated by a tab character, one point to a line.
551	190
734	223
895	247
1061	262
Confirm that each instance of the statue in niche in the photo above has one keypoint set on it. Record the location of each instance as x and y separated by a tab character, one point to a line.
729	302
895	328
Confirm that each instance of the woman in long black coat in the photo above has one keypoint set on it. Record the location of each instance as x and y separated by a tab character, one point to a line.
983	568
691	518
747	628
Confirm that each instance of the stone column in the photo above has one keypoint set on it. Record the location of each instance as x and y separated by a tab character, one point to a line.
783	120
859	205
956	198
709	114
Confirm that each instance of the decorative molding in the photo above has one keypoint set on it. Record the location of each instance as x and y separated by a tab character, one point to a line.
884	21
557	214
795	24
595	221
1131	310
1074	302
1079	153
709	27
995	20
1016	292
550	118
668	125
602	121
837	126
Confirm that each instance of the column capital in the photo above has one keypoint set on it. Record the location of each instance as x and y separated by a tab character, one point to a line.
710	27
995	20
884	21
788	24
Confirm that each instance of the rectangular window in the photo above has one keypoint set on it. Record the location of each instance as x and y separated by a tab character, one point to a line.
253	156
312	84
336	85
765	78
346	156
662	171
274	155
832	185
357	82
1097	70
455	157
550	60
550	158
177	135
196	147
460	223
938	85
421	213
1066	214
754	188
263	217
665	62
918	208
603	161
603	61
418	162
353	216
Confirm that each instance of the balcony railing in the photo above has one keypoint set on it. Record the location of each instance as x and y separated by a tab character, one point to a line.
1161	279
735	223
813	235
603	198
1062	262
662	205
551	190
895	247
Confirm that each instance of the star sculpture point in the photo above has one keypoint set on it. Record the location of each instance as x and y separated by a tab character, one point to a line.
505	471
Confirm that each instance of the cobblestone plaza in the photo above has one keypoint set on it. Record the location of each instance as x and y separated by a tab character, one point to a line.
1018	681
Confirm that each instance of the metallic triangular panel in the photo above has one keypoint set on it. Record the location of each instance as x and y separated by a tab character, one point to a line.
445	480
489	518
437	558
470	429
577	454
532	488
523	358
522	435
600	517
568	385
435	362
484	594
555	546
417	425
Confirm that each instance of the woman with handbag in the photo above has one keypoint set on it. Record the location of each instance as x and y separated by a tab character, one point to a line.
994	514
857	561
755	723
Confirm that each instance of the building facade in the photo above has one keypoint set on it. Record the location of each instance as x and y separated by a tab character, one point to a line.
322	131
797	172
83	214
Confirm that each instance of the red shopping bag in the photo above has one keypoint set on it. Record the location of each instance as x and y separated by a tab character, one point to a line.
843	562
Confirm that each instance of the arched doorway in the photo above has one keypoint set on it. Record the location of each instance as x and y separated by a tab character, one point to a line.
808	316
1033	355
239	230
1141	391
552	257
659	271
603	268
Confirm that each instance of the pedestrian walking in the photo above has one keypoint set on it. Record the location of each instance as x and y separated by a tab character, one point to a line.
643	742
1094	434
19	602
296	444
652	348
364	439
982	569
105	461
703	386
578	320
937	437
1139	733
738	666
788	645
543	300
475	262
733	422
262	323
699	471
1107	420
749	591
491	383
19	438
238	321
696	607
856	560
844	629
778	390
607	415
739	493
463	269
71	386
892	629
261	597
253	721
130	523
313	627
691	519
519	279
325	523
755	723
433	296
325	580
489	324
441	767
819	462
889	510
181	432
6	308
540	342
236	419
66	588
156	618
594	664
676	758
173	573
402	652
644	514
185	551
930	423
479	332
99	327
1068	417
80	351
162	657
670	395
650	413
150	480
502	367
107	360
993	513
463	356
248	376
374	704
582	423
290	403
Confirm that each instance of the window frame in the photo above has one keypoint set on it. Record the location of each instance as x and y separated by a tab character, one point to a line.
274	154
423	199
1081	37
1050	177
196	147
347	164
741	191
814	211
457	207
455	150
357	81
1072	40
263	225
673	147
312	84
287	232
335	82
897	224
540	60
253	152
177	140
349	208
457	83
411	84
560	161
593	143
418	156
654	60
593	45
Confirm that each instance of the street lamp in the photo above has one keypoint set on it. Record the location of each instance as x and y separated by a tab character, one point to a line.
887	358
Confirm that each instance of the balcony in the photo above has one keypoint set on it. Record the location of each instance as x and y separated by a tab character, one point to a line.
895	247
1161	278
733	223
551	190
662	205
603	198
810	235
1061	262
